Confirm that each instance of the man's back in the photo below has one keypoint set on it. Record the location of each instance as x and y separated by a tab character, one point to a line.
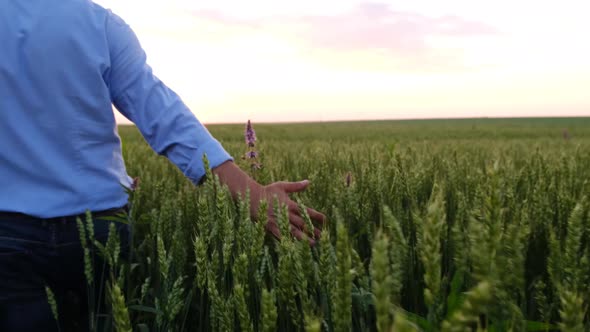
57	128
62	65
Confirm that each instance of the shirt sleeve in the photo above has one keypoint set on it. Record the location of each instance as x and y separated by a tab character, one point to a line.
166	123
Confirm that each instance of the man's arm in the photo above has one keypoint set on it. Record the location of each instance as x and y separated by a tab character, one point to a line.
172	130
163	119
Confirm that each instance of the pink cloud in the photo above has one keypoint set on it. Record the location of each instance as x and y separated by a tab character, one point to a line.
377	26
403	36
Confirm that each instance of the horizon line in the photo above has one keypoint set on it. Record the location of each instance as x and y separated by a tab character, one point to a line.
397	120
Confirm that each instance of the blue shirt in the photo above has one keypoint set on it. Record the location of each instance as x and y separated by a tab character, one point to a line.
63	64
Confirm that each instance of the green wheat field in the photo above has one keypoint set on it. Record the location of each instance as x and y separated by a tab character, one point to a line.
434	225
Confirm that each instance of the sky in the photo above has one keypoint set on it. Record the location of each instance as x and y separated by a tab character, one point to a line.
329	60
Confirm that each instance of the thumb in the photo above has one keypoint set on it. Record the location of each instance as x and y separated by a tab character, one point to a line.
294	187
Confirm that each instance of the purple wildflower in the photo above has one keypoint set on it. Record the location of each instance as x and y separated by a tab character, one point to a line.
250	135
251	154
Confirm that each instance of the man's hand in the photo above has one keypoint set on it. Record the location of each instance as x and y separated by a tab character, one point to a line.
239	182
280	191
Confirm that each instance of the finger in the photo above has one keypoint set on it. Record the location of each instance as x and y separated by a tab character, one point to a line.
307	213
293	207
312	242
273	228
300	223
315	215
299	235
317	232
297	221
293	187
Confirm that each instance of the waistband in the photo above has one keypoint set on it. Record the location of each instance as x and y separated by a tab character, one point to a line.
95	215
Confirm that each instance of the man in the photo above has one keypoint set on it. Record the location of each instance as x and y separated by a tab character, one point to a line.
62	65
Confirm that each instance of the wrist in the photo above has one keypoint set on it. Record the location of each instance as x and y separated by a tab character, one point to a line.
238	181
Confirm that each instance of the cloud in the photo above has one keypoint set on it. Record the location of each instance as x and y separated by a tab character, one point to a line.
219	17
404	37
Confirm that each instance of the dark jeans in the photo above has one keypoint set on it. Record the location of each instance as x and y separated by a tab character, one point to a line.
35	253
